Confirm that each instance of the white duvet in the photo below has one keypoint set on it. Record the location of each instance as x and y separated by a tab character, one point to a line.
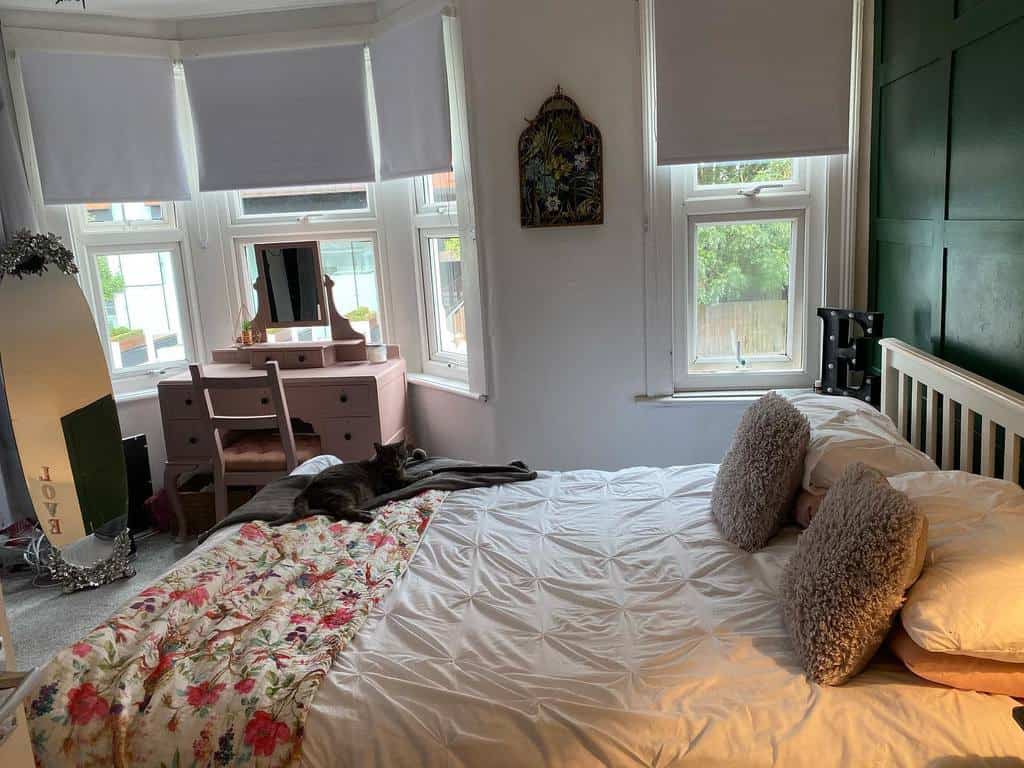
593	618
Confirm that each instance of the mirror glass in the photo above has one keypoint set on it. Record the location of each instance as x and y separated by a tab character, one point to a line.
291	273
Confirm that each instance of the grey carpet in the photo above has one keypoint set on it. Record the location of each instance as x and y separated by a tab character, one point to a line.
43	621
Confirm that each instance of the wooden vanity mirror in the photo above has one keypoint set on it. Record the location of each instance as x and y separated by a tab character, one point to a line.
289	286
292	292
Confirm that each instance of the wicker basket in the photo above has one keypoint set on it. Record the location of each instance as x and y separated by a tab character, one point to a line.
198	505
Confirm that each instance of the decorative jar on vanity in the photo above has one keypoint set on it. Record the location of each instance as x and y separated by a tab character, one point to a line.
331	387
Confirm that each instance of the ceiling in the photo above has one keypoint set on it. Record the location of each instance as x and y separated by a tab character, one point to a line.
169	9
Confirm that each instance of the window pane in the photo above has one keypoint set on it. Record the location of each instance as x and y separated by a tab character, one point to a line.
440	188
352	265
140	307
742	288
124	213
745	172
448	312
337	198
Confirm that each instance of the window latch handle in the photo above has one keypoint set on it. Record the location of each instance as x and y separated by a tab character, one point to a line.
755	191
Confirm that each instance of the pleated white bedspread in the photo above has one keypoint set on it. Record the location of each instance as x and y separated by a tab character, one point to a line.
593	618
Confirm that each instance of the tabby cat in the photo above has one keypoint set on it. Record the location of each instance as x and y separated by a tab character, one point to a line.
340	491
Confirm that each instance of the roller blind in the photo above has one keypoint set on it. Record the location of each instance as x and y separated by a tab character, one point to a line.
750	79
281	118
410	88
104	127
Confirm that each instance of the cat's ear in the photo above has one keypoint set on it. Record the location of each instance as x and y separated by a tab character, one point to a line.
377	447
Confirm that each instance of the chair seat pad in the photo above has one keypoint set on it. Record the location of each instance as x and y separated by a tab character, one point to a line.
261	451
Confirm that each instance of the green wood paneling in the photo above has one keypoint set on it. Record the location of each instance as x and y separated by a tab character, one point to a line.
909	279
911	162
986	163
93	438
984	329
947	197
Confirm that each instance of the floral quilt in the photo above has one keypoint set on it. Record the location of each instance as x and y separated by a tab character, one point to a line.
218	663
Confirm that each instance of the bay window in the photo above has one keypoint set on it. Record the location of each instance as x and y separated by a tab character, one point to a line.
133	272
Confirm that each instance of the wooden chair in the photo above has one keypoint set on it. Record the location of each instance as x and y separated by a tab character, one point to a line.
250	450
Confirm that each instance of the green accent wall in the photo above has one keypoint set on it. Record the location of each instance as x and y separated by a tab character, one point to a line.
93	438
947	180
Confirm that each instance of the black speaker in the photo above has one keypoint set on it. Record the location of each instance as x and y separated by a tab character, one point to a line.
140	482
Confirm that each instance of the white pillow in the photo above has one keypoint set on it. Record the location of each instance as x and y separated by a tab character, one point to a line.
844	431
316	465
970	597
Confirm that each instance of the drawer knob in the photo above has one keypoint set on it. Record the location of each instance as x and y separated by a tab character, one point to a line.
343	398
264	400
193	440
348	435
188	401
302	358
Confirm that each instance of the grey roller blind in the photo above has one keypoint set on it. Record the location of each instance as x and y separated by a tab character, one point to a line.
410	88
281	118
750	79
104	127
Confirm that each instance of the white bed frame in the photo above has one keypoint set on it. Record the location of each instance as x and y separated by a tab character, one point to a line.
916	385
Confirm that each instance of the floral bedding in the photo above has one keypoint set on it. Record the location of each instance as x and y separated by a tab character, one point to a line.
217	663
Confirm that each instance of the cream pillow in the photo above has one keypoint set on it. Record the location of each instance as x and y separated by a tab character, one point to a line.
970	598
968	673
844	431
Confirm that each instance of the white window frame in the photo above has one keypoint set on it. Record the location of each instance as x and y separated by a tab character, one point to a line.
797	184
82	223
425	206
128	381
437	362
302	217
240	241
802	202
664	247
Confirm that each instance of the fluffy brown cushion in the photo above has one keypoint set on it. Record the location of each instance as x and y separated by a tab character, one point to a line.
964	672
849	573
759	476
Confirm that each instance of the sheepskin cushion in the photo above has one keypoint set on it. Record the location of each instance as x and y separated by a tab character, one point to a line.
759	476
849	573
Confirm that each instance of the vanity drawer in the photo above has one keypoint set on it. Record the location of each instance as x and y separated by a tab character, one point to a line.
242	402
187	439
338	400
179	403
350	439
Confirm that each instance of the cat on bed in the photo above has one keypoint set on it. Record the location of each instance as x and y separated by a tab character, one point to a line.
340	491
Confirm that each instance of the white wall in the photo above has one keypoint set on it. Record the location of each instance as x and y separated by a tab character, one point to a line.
565	306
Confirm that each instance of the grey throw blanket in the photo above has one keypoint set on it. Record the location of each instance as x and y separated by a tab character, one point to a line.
275	501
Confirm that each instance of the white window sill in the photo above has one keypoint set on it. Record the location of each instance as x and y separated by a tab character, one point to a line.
713	396
452	386
132	397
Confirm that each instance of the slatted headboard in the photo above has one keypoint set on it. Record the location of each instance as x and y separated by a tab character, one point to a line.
944	410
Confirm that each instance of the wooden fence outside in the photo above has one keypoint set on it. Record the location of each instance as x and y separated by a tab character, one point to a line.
761	327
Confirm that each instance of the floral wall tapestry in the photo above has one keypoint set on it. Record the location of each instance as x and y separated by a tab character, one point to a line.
561	175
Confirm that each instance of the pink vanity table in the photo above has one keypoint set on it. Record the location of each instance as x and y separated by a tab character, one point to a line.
349	405
332	390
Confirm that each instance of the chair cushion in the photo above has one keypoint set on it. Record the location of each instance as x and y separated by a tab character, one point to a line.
261	451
